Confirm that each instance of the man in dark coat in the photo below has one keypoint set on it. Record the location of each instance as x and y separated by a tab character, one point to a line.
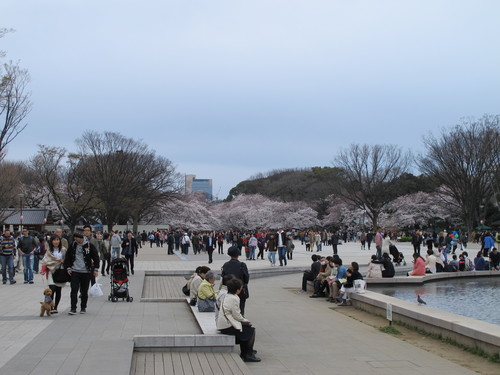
335	242
209	242
240	271
312	273
129	249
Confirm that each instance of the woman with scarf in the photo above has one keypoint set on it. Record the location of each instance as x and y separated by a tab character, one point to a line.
52	261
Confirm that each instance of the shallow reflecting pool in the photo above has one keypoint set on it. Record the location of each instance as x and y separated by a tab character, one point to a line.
476	298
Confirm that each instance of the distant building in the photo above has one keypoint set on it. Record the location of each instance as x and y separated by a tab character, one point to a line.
198	184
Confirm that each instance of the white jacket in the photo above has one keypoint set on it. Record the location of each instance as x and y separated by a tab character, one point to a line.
230	314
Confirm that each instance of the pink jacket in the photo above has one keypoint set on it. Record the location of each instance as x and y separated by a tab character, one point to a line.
418	268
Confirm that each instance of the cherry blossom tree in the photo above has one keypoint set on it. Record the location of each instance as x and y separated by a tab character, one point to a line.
190	211
254	211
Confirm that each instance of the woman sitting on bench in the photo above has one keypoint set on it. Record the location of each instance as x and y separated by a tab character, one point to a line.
231	322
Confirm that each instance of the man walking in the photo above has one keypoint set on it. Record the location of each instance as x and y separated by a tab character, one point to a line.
7	255
129	249
209	242
379	240
281	245
335	242
27	246
185	242
81	262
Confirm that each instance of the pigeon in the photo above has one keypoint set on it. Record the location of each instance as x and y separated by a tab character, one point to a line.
420	300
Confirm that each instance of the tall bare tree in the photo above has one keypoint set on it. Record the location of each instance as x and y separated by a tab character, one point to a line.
128	178
466	161
368	175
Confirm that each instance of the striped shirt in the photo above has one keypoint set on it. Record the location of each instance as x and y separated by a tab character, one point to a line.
7	244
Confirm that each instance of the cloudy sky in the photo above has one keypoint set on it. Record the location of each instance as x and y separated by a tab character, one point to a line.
227	89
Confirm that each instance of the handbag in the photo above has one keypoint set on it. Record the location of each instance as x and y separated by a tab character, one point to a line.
61	276
206	305
244	294
185	290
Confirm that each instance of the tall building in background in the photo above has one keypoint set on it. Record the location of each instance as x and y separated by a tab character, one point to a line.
198	184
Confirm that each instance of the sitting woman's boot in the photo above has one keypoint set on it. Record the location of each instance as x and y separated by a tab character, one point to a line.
251	358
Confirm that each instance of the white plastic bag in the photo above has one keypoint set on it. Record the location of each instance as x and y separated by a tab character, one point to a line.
360	286
95	290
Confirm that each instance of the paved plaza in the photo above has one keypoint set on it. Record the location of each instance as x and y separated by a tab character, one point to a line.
295	334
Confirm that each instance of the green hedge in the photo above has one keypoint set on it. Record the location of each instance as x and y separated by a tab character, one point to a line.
405	239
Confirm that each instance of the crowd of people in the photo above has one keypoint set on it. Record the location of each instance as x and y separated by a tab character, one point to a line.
62	258
331	278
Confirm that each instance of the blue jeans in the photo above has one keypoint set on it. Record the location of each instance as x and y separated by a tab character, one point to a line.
282	255
272	257
115	252
28	267
252	252
7	262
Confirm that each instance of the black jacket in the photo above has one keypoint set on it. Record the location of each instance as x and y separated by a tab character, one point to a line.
389	270
315	268
236	268
90	256
351	276
206	242
125	247
283	238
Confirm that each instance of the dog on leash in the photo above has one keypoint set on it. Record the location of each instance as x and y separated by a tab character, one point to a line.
47	303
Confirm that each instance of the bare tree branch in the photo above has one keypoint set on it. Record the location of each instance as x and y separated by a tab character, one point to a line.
15	103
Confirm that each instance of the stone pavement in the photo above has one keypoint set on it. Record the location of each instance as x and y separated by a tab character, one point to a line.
295	334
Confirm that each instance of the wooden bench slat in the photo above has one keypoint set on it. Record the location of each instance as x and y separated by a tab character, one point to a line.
214	365
186	364
140	363
149	368
177	363
231	361
195	363
205	366
158	363
168	366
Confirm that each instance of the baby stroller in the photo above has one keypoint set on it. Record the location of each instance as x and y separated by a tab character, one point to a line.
119	281
398	256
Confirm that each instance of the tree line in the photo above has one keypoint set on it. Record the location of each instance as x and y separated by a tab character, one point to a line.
461	167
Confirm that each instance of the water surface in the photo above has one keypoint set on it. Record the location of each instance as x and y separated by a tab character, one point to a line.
476	298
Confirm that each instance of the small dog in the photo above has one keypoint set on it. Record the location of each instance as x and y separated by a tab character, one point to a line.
47	303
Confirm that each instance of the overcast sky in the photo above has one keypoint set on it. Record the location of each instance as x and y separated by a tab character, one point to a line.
227	89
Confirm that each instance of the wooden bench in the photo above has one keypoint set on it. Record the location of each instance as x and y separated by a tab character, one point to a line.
206	320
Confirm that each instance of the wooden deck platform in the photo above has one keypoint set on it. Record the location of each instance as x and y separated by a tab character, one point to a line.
192	363
163	289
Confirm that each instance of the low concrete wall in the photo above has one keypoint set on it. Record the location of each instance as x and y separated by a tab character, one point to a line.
184	343
254	274
210	341
430	277
463	330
